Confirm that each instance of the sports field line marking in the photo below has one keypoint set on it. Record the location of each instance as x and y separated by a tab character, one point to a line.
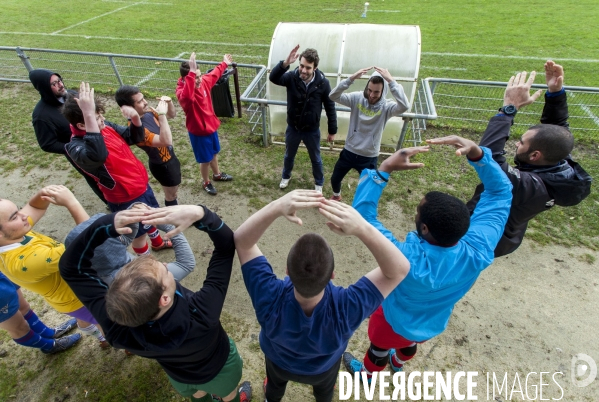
349	10
153	73
141	2
588	111
444	68
498	56
139	39
95	18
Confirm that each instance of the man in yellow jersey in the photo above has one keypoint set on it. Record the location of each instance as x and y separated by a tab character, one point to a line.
30	259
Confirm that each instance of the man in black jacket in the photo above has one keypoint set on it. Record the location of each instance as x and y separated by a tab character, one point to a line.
148	313
307	91
545	174
51	128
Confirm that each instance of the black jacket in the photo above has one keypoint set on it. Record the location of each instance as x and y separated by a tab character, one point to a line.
188	341
51	127
536	188
304	107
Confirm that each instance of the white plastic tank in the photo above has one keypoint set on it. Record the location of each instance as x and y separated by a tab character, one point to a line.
344	49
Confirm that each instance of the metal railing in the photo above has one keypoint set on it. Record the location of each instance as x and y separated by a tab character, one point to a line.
470	104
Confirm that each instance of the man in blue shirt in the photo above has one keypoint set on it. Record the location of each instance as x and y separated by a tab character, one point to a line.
447	253
306	321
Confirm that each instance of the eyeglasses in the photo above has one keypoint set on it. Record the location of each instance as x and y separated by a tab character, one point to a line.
55	83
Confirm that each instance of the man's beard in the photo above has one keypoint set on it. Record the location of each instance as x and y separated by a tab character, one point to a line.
522	158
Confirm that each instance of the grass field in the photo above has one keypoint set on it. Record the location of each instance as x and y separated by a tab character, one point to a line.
460	39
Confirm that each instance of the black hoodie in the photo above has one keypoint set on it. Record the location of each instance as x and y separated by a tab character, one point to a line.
536	188
51	127
188	341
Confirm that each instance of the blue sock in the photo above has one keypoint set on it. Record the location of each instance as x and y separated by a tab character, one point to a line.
38	326
33	340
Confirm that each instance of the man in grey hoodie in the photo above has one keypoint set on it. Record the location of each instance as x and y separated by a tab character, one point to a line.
370	111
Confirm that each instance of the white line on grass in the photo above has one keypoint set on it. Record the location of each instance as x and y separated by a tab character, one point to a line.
348	10
498	56
141	2
94	18
444	68
153	73
139	39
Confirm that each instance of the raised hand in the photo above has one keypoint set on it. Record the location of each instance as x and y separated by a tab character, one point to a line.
384	73
400	160
342	219
86	101
360	73
554	76
463	146
227	58
129	112
180	216
293	56
162	108
58	195
517	92
165	98
126	217
296	200
193	66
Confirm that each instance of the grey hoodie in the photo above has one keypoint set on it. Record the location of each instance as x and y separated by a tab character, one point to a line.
367	122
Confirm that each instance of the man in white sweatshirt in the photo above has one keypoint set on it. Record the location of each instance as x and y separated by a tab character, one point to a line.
370	111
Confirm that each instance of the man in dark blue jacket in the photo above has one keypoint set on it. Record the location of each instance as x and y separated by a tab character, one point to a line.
544	174
307	91
148	313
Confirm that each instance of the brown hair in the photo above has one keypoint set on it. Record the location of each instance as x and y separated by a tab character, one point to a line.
132	299
184	69
554	142
311	56
72	112
310	264
375	79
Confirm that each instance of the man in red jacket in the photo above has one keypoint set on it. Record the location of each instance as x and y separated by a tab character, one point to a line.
193	92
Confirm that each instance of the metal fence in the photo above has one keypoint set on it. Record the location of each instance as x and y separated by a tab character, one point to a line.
454	103
469	104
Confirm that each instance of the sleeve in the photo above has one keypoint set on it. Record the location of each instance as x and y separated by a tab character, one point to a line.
89	152
262	285
338	95
148	139
186	91
366	200
490	216
185	261
329	107
401	103
210	79
76	268
359	301
277	75
46	137
210	298
132	134
555	110
495	137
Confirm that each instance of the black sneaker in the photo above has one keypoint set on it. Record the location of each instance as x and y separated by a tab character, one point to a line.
65	327
245	392
64	343
210	188
222	177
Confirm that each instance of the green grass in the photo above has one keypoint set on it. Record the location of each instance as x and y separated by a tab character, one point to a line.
514	32
521	29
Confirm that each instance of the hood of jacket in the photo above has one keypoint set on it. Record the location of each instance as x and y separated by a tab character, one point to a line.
567	182
383	100
40	79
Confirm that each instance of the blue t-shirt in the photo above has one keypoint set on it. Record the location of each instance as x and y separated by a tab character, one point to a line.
299	344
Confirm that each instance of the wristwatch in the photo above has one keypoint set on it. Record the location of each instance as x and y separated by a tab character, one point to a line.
508	110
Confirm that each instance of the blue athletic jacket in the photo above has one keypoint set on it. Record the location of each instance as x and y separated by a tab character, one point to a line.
420	307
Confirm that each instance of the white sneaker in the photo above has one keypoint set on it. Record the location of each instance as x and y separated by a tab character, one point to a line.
318	188
284	183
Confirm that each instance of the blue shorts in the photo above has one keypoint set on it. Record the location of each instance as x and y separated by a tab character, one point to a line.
204	146
147	198
9	299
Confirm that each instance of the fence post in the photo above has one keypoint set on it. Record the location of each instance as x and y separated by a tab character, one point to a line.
264	130
404	130
116	71
237	91
24	58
